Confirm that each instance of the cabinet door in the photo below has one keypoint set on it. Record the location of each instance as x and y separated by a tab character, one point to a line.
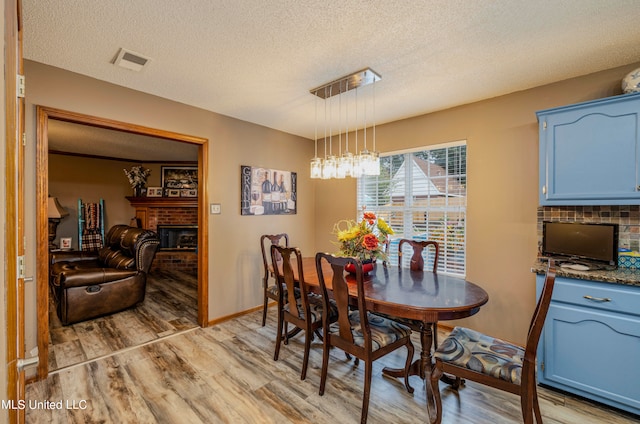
589	154
593	354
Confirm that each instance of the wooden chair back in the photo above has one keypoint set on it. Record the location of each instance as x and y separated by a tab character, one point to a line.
417	261
291	274
340	291
536	325
266	241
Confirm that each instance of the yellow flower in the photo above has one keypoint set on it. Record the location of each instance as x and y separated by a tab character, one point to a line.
384	227
348	234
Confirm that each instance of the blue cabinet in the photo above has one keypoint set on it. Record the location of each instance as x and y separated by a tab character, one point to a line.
589	153
590	345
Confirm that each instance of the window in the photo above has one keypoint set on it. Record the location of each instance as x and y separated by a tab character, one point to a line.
422	194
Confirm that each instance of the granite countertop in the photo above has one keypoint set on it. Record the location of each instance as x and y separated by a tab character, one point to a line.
628	276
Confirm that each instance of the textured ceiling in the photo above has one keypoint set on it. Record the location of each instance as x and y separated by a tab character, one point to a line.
256	60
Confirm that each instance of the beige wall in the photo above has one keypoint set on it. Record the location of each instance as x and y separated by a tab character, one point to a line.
234	255
72	178
502	164
502	142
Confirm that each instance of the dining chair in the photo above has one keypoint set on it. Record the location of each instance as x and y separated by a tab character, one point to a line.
270	291
493	362
416	263
357	332
307	313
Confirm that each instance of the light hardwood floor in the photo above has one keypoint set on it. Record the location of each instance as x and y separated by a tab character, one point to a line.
170	306
226	374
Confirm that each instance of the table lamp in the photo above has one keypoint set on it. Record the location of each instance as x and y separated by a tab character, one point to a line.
55	213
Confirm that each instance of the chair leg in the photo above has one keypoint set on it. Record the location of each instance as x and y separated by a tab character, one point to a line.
325	362
279	336
410	350
526	404
536	405
266	302
436	373
368	370
307	347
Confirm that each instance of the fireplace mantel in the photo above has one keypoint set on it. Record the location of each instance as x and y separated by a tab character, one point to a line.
164	202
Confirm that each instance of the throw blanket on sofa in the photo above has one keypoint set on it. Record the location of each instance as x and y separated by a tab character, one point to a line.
91	234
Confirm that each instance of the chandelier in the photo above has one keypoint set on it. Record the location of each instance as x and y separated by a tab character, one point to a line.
345	92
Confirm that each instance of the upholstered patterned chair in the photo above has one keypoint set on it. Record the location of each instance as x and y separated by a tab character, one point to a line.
359	333
487	360
306	315
270	291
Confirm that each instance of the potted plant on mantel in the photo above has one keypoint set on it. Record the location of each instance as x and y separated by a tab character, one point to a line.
137	176
364	240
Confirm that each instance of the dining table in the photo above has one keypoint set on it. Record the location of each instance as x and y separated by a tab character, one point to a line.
416	295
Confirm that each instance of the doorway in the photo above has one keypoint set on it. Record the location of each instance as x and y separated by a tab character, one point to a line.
44	116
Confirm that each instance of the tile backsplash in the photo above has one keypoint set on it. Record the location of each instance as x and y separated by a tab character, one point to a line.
627	218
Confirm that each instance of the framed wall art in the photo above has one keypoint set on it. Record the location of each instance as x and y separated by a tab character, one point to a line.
179	177
266	191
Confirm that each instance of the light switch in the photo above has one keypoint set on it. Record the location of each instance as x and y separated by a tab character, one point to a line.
215	209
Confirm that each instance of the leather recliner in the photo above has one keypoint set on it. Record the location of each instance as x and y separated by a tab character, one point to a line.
87	285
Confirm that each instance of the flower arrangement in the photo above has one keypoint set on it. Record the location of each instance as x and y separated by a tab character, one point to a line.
137	176
365	239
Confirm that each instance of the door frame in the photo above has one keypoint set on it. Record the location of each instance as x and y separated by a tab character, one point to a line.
14	210
43	115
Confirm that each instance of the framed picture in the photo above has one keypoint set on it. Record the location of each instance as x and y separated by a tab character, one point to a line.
154	191
65	243
173	193
268	191
189	193
179	177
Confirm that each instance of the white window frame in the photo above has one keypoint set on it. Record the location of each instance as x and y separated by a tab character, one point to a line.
451	234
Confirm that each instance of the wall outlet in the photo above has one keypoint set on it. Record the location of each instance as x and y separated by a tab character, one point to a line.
215	209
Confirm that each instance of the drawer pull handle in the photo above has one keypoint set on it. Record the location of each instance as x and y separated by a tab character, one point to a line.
597	299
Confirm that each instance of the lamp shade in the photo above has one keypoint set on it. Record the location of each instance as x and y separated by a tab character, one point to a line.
54	209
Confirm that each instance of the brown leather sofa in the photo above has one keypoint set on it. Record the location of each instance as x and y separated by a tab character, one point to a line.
87	285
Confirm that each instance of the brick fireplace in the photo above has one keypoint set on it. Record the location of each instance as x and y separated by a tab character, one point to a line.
154	213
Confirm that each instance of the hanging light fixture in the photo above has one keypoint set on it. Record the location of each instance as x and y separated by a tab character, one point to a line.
316	162
346	163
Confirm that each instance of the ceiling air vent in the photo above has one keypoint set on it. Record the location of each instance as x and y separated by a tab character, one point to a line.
131	60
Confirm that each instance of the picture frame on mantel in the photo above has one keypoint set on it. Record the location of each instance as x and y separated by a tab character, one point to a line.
266	191
154	191
179	177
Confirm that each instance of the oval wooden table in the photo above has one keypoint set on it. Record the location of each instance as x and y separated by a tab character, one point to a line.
416	295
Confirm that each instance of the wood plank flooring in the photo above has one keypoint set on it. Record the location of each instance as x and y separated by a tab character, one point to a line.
170	306
226	374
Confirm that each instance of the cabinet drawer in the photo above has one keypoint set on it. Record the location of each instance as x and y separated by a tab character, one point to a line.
602	296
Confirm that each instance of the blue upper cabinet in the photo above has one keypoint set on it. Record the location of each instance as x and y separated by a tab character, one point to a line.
589	153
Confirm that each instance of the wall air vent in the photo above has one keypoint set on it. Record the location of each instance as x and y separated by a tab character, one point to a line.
131	60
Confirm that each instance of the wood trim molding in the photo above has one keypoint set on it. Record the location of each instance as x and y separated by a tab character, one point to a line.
43	114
